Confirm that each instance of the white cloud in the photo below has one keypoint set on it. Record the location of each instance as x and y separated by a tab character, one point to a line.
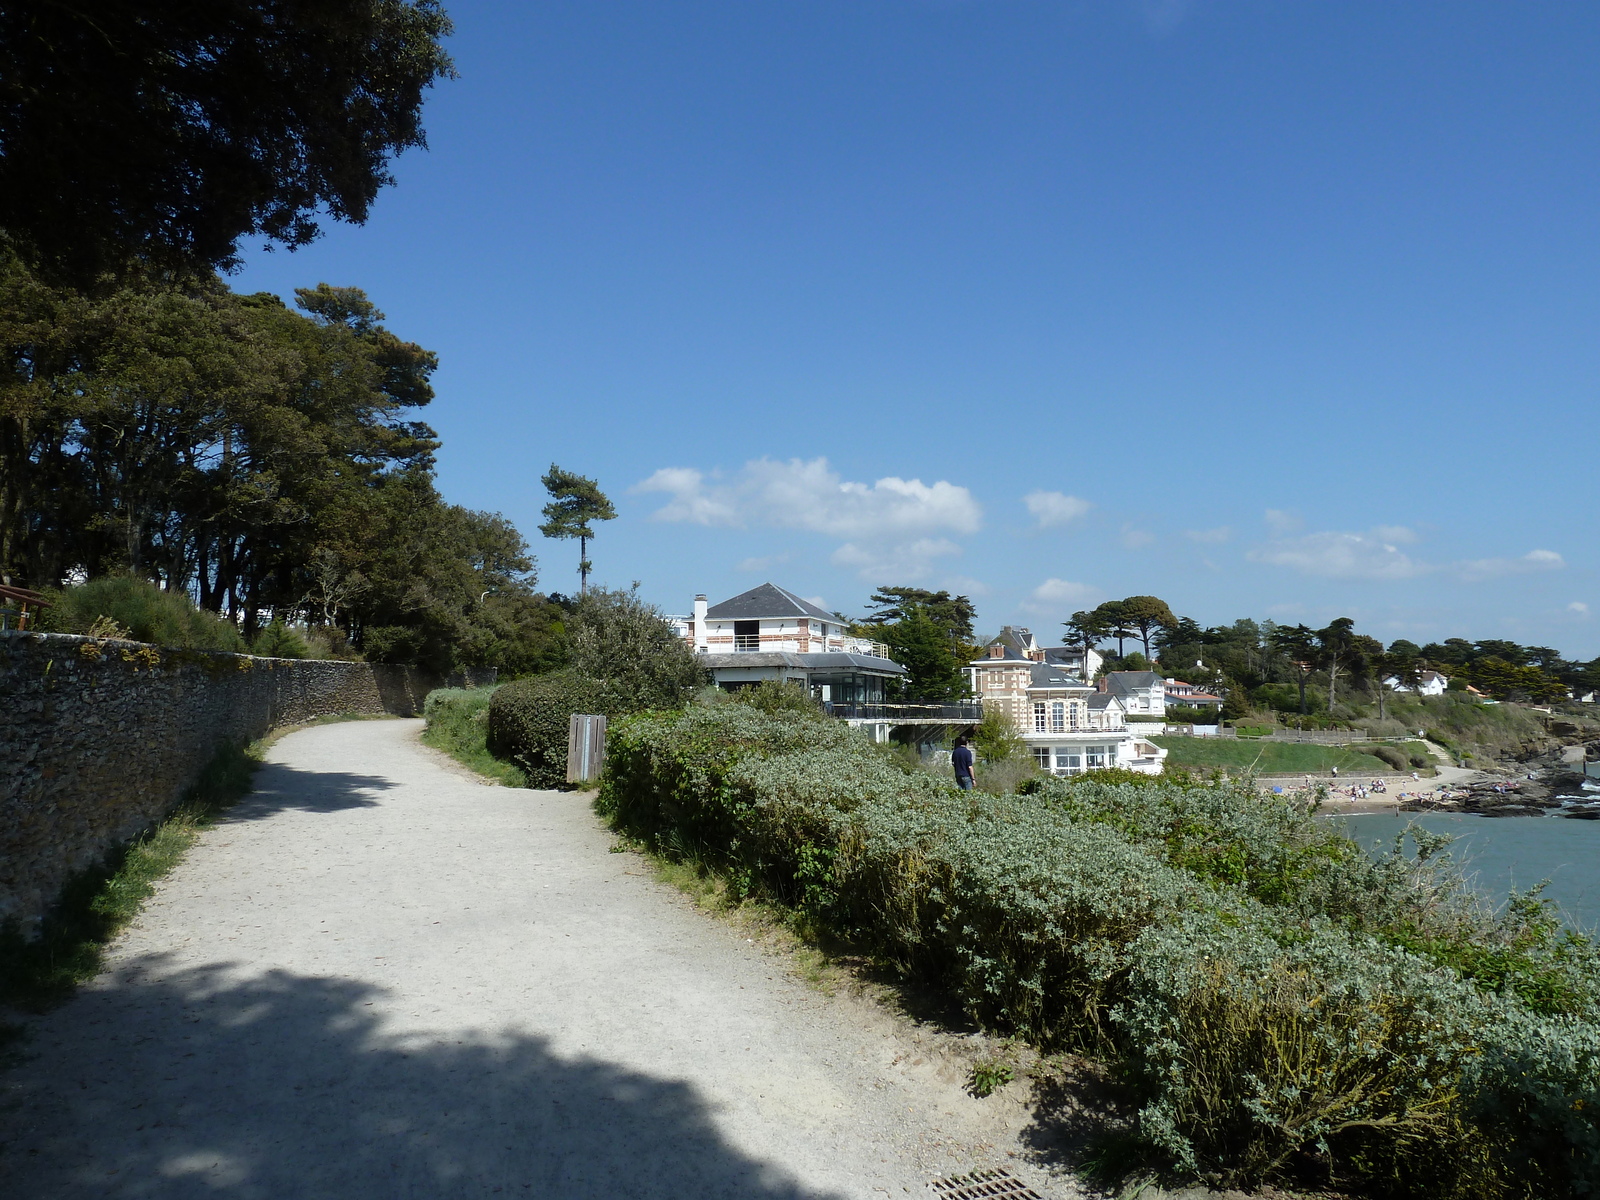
1059	598
1494	568
763	563
1579	607
1281	523
1395	533
1376	554
812	496
1211	537
1340	556
1055	508
893	563
892	527
1133	538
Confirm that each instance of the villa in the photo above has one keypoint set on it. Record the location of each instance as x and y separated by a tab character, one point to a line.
771	633
1069	726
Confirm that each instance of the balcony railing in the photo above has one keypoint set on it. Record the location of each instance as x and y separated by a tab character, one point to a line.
745	643
907	714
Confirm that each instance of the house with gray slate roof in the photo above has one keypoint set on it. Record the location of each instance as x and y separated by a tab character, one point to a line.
771	633
1142	693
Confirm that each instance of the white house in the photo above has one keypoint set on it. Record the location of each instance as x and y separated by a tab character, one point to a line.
1143	693
1069	726
771	633
1176	691
1429	683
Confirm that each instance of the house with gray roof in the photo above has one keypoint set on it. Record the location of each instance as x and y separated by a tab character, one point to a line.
1142	693
770	632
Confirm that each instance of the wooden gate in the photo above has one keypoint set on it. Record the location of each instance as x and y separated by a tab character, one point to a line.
586	748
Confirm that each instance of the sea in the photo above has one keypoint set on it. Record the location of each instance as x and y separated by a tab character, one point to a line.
1505	854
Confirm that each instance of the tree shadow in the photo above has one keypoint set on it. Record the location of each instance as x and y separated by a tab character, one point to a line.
278	787
183	1083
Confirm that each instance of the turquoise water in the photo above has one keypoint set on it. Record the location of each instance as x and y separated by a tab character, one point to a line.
1506	853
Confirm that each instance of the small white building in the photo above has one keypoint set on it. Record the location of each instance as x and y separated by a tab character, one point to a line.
1429	683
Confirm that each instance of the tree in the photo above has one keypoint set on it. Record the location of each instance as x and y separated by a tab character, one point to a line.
167	129
919	644
1113	615
1297	644
575	502
1145	615
1338	649
1087	629
953	614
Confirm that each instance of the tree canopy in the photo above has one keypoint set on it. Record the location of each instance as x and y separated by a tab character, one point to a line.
575	503
166	130
260	459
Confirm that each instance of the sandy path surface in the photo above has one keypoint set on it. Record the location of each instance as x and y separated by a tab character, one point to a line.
381	977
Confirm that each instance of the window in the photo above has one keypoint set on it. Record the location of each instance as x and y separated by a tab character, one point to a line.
1058	717
1041	755
1096	756
1074	714
1038	716
1067	762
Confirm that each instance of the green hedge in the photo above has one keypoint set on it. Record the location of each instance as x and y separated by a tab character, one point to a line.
529	720
1280	1001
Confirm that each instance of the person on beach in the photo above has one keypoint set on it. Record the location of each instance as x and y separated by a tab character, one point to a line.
1336	772
961	760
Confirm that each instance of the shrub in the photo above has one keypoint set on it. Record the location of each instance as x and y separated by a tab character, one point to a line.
1274	995
529	720
124	606
997	738
774	696
1391	755
458	723
617	637
277	640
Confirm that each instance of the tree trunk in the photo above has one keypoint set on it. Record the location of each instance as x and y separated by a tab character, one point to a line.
1302	693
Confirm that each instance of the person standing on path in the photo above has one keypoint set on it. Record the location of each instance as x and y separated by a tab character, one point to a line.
961	760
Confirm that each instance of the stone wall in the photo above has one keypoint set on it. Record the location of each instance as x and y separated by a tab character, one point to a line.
99	738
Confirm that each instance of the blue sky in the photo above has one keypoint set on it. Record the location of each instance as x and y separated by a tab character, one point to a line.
1270	308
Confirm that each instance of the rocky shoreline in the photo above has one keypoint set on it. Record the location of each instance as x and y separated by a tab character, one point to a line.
1552	792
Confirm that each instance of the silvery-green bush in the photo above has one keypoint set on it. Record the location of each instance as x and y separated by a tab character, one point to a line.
1278	999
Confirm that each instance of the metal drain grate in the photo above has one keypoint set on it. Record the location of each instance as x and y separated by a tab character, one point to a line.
984	1185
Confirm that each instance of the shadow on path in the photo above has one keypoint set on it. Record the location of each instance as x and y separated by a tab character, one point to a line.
188	1083
278	787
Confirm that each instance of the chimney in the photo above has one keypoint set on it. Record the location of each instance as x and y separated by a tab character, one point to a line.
700	623
997	651
1036	655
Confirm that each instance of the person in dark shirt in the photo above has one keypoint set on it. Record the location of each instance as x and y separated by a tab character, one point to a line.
961	760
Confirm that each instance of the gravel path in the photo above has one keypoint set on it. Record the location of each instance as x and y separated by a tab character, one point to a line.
381	977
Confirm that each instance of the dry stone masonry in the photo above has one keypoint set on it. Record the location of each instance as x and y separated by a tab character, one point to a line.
99	738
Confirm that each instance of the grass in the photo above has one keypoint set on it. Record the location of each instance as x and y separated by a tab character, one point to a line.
1267	758
458	723
100	902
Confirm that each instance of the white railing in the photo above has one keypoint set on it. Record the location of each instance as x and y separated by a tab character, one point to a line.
862	646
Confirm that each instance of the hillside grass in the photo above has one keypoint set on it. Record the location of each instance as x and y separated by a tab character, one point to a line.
458	723
1267	758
